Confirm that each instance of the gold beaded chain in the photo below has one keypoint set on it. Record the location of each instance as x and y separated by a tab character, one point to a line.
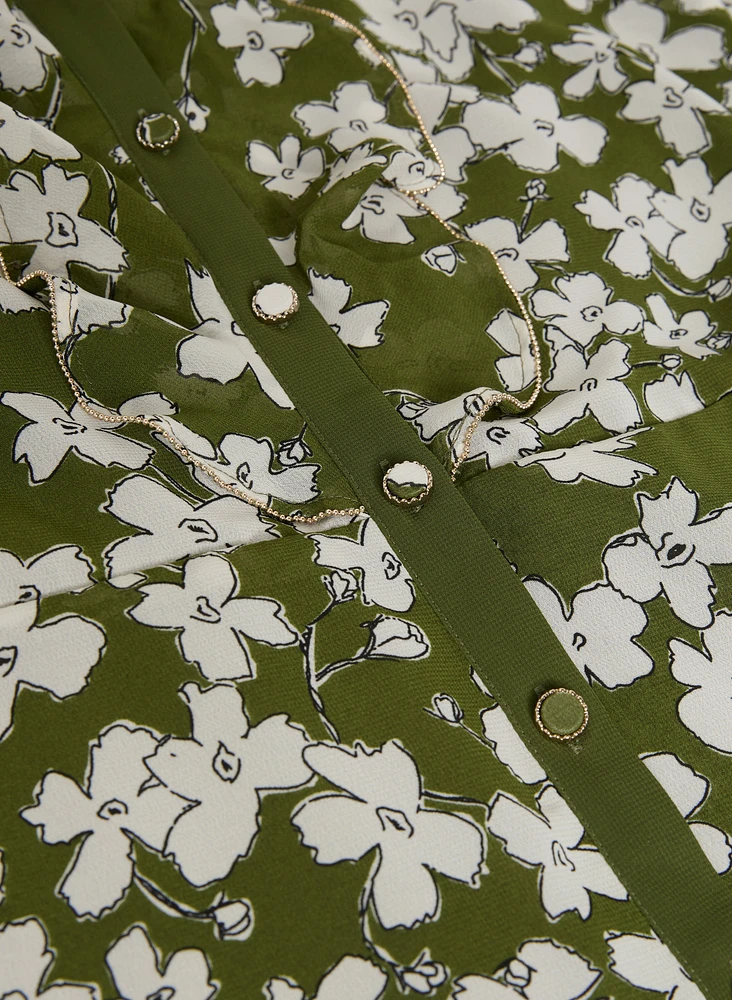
156	423
412	194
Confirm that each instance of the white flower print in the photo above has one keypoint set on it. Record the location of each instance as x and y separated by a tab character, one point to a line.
384	579
672	396
117	801
509	747
703	6
247	462
701	212
647	963
529	129
541	970
631	214
214	624
20	136
53	432
26	959
15	300
499	441
261	39
225	769
705	707
80	313
138	972
511	334
218	349
410	170
642	27
439	30
357	325
352	116
24	52
63	569
550	840
394	638
593	460
581	308
424	975
518	251
382	810
380	215
594	51
598	631
352	976
684	333
688	791
291	170
676	107
48	215
172	527
671	553
195	113
56	657
443	258
589	386
351	162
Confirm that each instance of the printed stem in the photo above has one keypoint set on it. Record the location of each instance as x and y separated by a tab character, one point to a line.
174	482
54	105
377	951
494	66
530	202
677	289
333	668
167	903
307	645
461	800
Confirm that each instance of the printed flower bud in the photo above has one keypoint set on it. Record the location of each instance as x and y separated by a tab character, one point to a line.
447	708
535	189
720	341
670	361
342	585
530	55
234	920
720	289
293	451
517	973
395	638
442	258
425	975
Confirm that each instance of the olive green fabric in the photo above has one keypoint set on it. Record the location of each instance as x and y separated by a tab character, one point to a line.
603	499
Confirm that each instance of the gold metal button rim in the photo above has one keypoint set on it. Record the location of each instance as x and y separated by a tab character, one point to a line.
411	500
164	143
277	317
562	736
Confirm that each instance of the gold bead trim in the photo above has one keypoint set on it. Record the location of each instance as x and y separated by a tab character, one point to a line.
562	736
412	194
156	424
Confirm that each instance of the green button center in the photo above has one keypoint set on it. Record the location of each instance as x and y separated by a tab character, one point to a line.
562	713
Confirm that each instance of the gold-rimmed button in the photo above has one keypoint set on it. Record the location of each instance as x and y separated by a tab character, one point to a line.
561	714
407	482
275	302
158	131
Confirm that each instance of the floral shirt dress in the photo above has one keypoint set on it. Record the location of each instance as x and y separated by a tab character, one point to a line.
244	759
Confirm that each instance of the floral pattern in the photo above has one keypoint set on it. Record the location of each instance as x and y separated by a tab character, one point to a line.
344	766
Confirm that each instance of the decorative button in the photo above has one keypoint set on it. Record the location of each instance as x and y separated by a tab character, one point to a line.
275	302
407	482
157	131
561	714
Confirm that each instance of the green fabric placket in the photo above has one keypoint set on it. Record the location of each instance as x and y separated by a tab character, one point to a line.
481	601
